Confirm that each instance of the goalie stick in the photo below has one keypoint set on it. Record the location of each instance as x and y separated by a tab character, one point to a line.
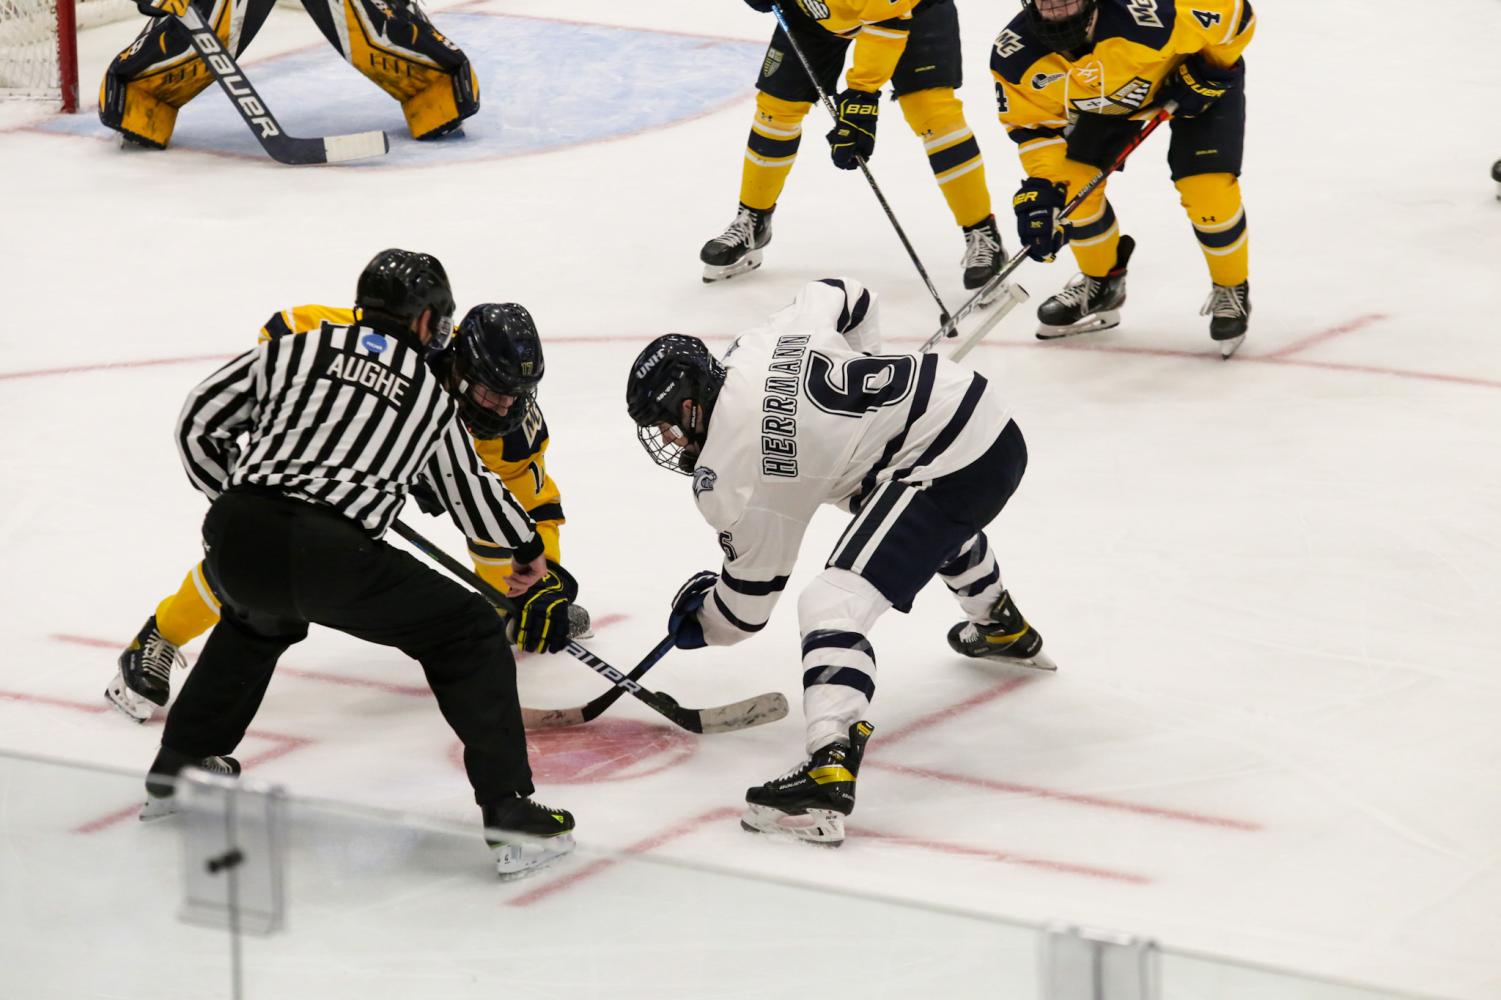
985	294
756	711
247	102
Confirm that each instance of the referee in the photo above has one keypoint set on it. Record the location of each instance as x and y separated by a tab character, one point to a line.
308	446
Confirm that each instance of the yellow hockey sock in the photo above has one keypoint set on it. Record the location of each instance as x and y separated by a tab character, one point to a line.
190	612
771	150
937	118
1213	204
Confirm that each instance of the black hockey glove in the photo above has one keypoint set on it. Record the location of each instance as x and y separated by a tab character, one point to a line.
1197	83
541	624
1038	203
426	498
760	6
855	133
682	623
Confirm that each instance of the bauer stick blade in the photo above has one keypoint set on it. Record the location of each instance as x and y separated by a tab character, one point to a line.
1011	296
256	114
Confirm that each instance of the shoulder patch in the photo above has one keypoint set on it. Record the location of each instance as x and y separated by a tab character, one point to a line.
704	479
1015	51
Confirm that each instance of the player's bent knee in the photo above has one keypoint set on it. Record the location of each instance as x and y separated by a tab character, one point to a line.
783	113
1213	193
839	598
934	110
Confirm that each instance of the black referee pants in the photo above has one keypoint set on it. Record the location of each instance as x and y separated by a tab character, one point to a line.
280	563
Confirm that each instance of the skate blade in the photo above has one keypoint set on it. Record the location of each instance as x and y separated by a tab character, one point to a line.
156	808
823	827
518	859
134	707
749	262
1229	347
1107	320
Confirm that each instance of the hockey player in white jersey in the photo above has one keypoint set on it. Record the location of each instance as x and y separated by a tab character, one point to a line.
803	412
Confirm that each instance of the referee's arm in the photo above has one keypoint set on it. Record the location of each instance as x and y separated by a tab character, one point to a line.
217	410
477	500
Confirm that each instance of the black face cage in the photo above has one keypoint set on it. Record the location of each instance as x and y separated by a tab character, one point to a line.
1070	34
668	454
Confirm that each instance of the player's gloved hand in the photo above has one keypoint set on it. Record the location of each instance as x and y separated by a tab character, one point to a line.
855	132
1038	203
541	622
762	6
1197	83
682	623
426	498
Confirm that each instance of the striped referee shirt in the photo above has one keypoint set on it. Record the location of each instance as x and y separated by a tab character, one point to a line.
349	417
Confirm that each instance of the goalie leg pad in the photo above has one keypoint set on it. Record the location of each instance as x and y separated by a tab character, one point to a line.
146	84
396	47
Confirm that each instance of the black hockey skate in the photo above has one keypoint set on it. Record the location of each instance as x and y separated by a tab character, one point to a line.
983	253
1230	305
737	249
161	782
525	835
810	801
1006	637
145	677
1087	305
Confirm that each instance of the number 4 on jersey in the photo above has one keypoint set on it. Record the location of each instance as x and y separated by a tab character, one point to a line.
1208	18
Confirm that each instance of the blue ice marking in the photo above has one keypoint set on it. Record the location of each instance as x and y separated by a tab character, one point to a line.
544	85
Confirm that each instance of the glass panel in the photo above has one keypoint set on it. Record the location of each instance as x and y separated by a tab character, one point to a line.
89	895
1188	977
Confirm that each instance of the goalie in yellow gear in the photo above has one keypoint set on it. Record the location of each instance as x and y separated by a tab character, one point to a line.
392	42
493	369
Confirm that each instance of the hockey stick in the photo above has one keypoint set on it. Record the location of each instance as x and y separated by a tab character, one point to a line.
823	97
755	711
257	115
994	284
553	718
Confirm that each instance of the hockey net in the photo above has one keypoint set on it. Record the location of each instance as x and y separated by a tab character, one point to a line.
39	45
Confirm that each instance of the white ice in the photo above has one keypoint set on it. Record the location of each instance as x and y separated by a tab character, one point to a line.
1271	584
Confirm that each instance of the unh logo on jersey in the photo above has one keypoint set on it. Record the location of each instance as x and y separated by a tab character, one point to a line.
704	479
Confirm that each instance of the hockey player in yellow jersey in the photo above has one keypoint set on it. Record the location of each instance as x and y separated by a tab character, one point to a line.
392	42
493	368
912	45
1075	80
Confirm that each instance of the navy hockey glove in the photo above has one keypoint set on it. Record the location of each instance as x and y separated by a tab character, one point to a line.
855	133
682	623
426	498
542	612
1038	203
1197	83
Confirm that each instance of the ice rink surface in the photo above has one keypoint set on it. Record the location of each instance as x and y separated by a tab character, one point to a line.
1271	584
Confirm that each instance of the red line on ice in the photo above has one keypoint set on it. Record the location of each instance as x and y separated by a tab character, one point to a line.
1161	812
593	868
953	711
1004	857
1358	323
284	745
